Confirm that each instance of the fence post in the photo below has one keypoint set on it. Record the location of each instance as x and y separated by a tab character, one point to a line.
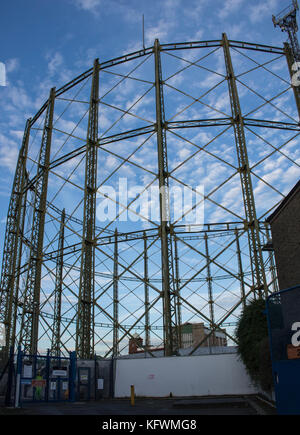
95	376
47	376
132	398
18	377
72	377
9	377
112	378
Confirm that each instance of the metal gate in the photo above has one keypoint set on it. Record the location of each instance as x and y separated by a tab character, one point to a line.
45	378
283	311
48	378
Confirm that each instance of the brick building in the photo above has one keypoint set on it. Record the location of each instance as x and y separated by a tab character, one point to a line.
191	335
194	333
285	228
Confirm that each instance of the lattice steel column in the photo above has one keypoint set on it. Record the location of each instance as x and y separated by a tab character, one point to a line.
168	294
13	245
85	319
209	282
16	293
251	222
116	299
240	266
273	269
31	302
290	61
30	317
178	300
146	291
56	341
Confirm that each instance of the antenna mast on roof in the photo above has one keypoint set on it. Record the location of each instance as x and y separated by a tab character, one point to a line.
287	21
143	32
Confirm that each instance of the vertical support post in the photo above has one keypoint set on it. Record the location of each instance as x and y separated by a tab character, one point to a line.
177	286
240	266
132	398
85	318
209	285
273	269
18	377
72	377
47	388
13	246
95	376
143	32
146	290
169	306
116	299
8	396
56	341
251	221
31	307
290	61
15	301
112	378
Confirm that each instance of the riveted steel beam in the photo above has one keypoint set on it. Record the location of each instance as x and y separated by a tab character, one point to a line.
209	282
116	300
168	291
177	286
85	320
251	222
56	331
31	305
240	266
290	61
13	244
146	290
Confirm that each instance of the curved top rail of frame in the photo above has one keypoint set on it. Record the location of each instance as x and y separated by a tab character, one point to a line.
163	47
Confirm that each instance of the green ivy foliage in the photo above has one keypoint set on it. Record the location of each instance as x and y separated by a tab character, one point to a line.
253	343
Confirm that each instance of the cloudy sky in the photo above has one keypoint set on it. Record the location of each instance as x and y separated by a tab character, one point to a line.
46	43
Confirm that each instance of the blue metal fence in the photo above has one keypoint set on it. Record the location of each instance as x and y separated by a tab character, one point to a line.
283	312
45	378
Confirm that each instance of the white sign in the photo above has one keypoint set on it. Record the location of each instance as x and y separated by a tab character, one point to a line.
27	371
59	372
2	334
296	336
84	377
100	384
26	381
53	386
65	386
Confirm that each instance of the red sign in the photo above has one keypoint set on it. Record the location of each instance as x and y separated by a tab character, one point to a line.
38	382
293	351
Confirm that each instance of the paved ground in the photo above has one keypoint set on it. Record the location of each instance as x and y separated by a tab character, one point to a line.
243	405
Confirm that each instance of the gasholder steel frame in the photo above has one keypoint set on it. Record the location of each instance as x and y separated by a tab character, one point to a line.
168	233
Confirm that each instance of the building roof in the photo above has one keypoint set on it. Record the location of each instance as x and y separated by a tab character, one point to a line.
284	202
182	352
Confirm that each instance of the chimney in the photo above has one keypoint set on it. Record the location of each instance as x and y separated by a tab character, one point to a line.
135	343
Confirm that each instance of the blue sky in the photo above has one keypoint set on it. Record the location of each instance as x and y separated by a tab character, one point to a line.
46	43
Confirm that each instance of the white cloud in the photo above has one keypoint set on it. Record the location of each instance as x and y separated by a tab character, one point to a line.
54	63
8	152
258	11
12	65
230	6
88	5
160	31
